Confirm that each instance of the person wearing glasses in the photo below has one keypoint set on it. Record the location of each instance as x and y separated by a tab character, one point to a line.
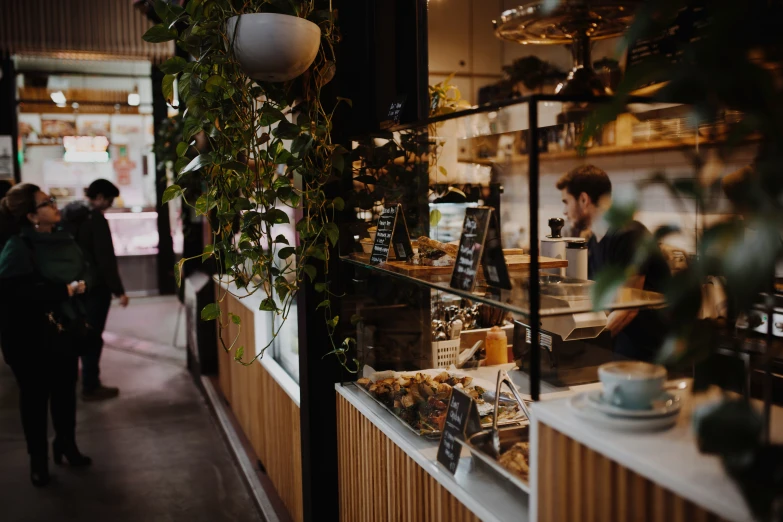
89	227
42	322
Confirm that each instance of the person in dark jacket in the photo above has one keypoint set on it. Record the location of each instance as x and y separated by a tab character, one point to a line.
42	323
91	231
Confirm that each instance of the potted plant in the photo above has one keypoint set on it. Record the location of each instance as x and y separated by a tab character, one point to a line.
264	149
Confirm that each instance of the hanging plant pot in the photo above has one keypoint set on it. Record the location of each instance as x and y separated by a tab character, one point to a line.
273	47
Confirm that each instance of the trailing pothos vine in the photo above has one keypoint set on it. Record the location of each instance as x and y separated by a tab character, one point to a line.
263	152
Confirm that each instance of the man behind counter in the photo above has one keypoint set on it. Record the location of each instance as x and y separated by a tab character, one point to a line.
587	193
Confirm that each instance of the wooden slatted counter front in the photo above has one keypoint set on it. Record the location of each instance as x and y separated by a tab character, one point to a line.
386	472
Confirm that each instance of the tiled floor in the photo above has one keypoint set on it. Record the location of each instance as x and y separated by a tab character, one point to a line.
158	456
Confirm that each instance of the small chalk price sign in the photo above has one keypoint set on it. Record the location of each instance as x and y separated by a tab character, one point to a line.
395	112
479	242
392	234
462	418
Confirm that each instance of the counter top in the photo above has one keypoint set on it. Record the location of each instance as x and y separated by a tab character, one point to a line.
487	497
669	458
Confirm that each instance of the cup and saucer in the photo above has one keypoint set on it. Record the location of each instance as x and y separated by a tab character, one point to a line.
632	398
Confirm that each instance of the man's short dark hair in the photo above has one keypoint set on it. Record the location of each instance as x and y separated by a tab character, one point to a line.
102	187
588	179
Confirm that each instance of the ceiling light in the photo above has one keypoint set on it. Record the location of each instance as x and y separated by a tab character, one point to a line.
58	97
134	99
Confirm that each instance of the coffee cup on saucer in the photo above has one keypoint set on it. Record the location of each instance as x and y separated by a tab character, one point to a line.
632	385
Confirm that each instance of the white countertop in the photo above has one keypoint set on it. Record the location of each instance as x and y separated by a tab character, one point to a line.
668	458
486	496
262	329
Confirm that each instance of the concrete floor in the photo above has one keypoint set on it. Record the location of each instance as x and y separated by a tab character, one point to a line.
158	455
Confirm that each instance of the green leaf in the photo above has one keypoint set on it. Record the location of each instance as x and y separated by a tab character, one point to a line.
178	272
234	165
209	251
338	203
323	304
281	239
240	352
159	33
171	192
346	100
235	318
204	204
332	323
173	65
199	162
356	319
182	148
168	87
215	82
276	216
210	312
319	287
435	217
268	305
286	130
311	271
286	252
332	233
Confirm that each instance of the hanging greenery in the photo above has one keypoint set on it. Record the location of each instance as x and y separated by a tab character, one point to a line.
261	150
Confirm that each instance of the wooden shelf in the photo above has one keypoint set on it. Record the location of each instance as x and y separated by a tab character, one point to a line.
609	150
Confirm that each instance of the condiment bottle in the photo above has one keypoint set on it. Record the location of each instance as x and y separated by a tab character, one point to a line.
497	351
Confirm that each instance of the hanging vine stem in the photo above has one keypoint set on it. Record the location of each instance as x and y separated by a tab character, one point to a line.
246	142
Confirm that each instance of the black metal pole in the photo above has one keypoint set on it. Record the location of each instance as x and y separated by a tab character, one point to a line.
534	286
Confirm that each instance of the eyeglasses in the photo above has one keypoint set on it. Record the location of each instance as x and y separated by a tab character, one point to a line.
51	202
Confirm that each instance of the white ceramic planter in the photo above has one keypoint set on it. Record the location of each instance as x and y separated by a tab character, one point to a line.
274	47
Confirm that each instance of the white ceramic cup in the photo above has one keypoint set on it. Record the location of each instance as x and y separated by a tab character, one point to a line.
632	384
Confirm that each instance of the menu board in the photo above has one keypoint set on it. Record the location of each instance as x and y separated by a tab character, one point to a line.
480	239
392	233
395	113
462	416
493	260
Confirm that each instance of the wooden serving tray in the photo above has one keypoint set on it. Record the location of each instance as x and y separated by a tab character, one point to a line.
514	259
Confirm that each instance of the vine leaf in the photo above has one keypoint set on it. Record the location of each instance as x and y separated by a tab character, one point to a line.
210	312
240	352
171	192
609	280
168	88
159	33
435	217
182	148
276	216
200	161
178	272
311	271
268	305
332	232
286	252
173	65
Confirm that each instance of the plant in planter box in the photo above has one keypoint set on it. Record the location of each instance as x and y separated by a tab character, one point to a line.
267	152
715	74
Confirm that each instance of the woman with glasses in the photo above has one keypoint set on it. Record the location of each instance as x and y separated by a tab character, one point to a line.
42	323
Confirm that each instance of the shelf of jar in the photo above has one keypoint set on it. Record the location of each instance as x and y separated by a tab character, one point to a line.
559	296
605	150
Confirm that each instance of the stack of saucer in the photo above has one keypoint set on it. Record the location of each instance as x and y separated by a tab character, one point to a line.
632	399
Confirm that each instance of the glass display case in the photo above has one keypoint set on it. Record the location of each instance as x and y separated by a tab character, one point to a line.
406	312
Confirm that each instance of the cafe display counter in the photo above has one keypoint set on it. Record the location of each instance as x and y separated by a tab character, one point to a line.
387	472
580	471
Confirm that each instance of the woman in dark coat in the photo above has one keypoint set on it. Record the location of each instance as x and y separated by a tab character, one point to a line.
41	324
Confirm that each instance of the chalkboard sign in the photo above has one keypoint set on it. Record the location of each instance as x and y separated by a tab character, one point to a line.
461	417
493	260
395	112
480	240
392	233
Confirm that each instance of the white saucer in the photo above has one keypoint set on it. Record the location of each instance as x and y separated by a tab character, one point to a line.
583	409
666	404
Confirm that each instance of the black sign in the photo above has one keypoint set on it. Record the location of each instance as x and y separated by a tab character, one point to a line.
494	262
480	239
395	113
390	235
461	417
